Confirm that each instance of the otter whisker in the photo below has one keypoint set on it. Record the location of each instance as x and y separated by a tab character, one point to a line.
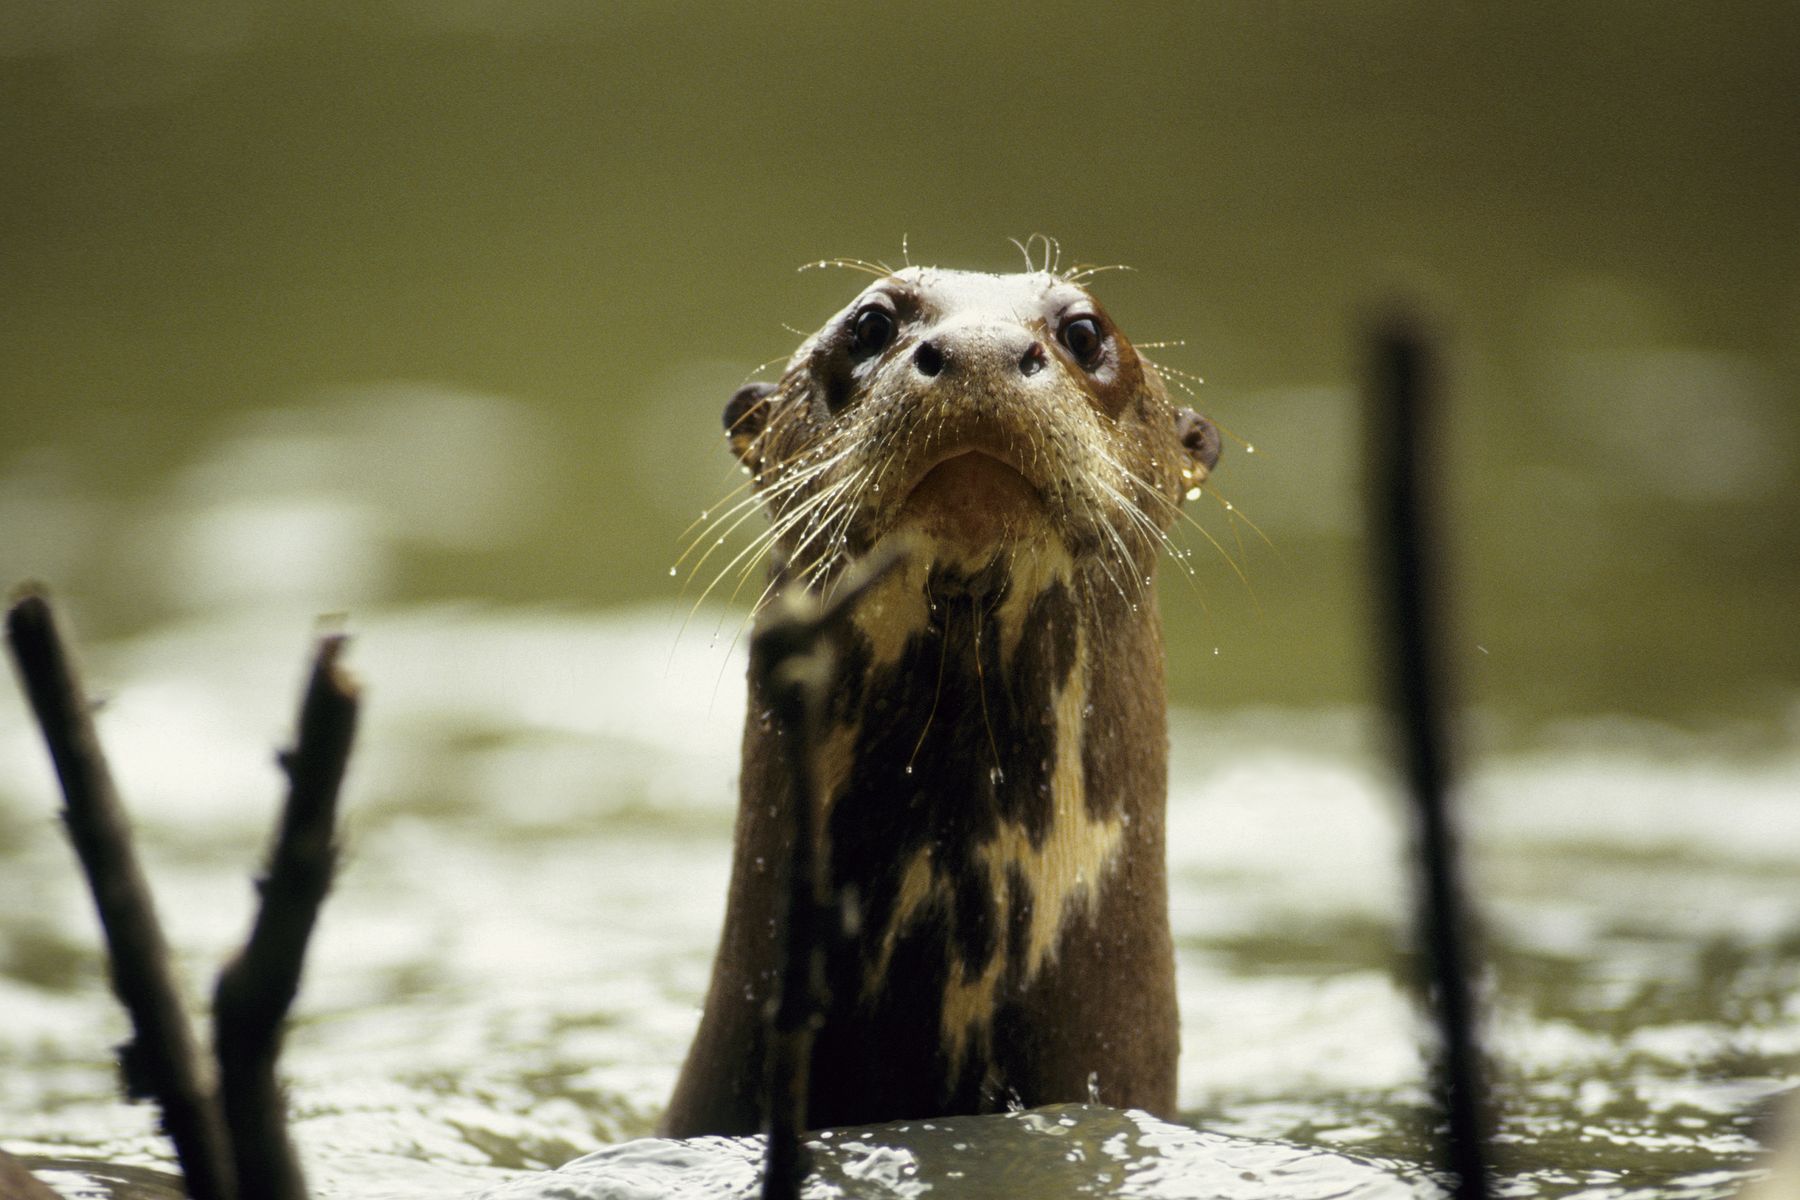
824	573
743	510
837	516
1237	535
1135	512
787	517
937	694
1081	273
717	532
762	547
1024	253
761	542
1236	568
1185	380
755	479
1166	540
1238	514
706	515
1181	514
1163	368
816	512
981	684
750	503
763	366
1131	507
754	409
877	269
1124	556
744	621
1234	514
1234	435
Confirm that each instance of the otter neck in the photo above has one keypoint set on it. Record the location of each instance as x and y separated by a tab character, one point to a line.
962	827
1006	903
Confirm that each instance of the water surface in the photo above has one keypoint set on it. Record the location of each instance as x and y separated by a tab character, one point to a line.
537	827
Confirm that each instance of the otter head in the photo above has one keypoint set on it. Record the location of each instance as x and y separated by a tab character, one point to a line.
987	416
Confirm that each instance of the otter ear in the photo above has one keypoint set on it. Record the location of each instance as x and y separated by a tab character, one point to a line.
1200	438
746	416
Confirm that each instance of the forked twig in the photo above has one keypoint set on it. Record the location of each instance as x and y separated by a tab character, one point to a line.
161	1060
794	664
258	987
232	1143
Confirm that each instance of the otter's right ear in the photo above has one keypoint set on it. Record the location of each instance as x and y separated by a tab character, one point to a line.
746	416
1200	439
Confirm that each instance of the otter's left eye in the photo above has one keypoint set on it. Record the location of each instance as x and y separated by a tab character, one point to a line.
871	331
1083	338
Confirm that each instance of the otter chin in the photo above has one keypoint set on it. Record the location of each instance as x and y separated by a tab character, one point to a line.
975	502
992	767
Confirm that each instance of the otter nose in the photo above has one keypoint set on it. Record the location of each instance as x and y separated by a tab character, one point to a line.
979	351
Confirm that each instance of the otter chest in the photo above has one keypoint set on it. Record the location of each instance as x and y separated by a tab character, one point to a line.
962	828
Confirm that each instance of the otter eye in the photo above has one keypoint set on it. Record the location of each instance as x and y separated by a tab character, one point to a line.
1082	337
871	331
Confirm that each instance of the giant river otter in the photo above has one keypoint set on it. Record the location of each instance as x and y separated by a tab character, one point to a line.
993	763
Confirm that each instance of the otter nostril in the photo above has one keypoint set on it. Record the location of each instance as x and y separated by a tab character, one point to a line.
929	359
1033	360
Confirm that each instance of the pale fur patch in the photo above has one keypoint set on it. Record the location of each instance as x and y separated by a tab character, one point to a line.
1063	873
918	885
897	607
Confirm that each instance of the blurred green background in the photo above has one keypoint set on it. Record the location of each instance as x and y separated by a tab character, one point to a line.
349	305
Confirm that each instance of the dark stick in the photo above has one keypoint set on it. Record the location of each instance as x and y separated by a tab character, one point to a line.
797	998
161	1060
1404	403
258	987
795	665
